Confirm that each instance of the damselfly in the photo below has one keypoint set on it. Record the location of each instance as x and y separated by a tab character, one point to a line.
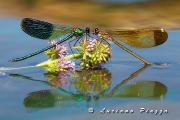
140	38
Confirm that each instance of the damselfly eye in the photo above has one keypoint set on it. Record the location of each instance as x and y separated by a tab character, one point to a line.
87	30
96	31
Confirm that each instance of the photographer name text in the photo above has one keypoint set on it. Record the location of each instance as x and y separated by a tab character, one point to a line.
141	110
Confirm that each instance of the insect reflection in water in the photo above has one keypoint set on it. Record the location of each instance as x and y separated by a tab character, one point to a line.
91	87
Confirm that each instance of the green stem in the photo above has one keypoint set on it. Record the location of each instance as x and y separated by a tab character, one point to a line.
71	56
14	68
50	61
46	63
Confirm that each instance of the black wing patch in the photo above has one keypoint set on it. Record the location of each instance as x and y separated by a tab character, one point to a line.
37	28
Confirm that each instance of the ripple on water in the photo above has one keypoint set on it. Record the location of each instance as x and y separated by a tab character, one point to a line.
161	65
2	73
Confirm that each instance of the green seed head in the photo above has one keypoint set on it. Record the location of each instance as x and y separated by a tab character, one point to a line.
93	53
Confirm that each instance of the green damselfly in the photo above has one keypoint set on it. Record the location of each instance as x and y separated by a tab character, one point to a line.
140	38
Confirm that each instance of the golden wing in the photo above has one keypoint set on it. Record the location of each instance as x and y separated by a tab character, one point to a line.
140	38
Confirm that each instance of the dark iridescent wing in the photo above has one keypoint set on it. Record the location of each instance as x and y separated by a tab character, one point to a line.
44	30
141	38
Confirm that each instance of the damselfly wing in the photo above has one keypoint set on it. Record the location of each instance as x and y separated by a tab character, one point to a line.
140	38
44	30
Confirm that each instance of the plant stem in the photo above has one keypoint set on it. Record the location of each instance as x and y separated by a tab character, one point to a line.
38	65
14	68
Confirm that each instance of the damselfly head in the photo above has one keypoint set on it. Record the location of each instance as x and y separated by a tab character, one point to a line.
96	31
87	30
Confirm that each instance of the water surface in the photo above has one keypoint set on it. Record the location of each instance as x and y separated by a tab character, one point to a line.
124	82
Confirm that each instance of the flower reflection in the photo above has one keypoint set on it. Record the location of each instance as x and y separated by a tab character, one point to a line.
85	81
58	79
92	81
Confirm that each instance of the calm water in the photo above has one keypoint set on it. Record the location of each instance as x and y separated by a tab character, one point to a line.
24	95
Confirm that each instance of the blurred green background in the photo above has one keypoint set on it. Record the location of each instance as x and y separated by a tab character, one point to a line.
98	13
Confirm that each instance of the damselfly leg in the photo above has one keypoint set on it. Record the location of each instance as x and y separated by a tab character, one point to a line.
146	62
76	40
